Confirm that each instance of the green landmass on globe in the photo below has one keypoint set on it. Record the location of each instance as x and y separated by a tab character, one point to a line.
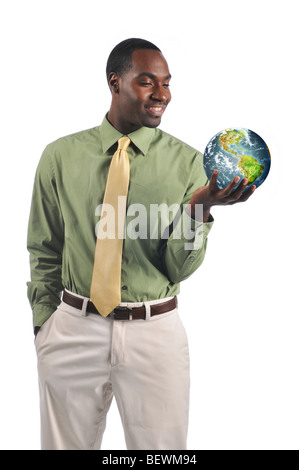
248	166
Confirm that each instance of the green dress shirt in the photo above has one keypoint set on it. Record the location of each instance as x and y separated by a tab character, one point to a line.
68	189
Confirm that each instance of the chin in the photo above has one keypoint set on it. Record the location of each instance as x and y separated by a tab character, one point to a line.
152	123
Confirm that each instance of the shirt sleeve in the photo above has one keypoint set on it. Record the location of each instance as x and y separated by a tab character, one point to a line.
185	249
45	243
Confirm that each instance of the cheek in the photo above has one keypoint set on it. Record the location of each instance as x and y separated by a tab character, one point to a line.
133	101
126	106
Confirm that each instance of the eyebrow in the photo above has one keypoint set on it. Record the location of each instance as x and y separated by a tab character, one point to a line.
151	75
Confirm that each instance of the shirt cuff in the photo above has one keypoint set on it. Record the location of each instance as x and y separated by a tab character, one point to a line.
41	313
192	232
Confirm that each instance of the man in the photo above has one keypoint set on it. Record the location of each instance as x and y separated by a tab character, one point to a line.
91	347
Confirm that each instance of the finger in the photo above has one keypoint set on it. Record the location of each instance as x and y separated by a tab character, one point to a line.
239	191
226	192
233	197
244	196
247	194
213	181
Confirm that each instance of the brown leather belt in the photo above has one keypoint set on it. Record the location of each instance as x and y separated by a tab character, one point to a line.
122	313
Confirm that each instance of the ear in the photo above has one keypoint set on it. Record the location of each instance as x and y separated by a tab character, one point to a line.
113	81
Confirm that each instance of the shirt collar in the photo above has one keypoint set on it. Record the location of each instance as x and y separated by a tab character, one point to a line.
141	138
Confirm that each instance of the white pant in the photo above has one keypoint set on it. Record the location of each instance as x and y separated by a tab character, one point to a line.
85	359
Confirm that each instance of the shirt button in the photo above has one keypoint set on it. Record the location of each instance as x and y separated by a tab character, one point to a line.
124	287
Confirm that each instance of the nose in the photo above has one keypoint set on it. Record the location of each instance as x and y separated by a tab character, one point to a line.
161	93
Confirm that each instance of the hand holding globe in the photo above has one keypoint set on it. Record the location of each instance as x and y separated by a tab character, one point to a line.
236	162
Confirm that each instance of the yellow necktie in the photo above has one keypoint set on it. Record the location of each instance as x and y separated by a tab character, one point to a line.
106	278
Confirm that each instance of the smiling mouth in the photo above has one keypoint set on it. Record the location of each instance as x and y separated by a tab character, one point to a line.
156	110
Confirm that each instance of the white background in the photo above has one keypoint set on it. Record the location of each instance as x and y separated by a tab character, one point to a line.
234	64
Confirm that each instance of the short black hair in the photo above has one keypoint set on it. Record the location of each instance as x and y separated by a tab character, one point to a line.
120	58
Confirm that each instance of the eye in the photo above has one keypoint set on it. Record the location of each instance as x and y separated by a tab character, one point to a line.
166	85
145	84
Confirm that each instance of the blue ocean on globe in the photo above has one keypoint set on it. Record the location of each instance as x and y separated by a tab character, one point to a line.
237	152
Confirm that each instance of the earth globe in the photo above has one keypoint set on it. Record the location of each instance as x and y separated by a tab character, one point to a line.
237	152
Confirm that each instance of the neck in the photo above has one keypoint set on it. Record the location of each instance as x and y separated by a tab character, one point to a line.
124	127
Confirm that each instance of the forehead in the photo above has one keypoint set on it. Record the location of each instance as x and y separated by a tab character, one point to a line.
149	61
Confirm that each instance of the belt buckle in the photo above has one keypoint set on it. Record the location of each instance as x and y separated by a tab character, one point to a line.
123	309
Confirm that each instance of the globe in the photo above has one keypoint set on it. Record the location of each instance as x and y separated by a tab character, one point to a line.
237	152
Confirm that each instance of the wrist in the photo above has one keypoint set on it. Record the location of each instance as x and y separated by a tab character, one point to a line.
204	214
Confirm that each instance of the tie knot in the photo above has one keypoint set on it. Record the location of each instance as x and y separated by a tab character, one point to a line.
123	143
